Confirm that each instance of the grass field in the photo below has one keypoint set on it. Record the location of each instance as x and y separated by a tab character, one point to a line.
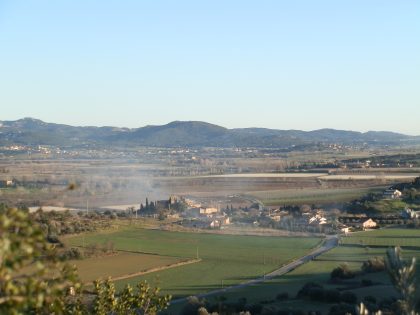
353	250
391	206
309	196
91	269
226	259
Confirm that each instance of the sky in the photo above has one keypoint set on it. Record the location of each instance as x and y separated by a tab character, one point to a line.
301	64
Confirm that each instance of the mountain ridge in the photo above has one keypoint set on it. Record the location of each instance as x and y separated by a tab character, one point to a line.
31	131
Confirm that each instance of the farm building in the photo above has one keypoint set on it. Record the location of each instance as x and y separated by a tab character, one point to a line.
206	211
197	212
173	216
369	224
191	203
6	183
344	229
166	204
275	217
207	223
224	220
215	224
317	219
392	194
408	213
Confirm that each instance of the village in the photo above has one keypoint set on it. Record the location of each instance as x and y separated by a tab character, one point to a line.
191	213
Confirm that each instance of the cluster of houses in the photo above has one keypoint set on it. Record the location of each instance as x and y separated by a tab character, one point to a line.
192	213
316	220
360	223
206	217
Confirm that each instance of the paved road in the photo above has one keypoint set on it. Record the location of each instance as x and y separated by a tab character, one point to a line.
329	243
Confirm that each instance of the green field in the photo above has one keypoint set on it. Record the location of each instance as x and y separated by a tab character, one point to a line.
93	268
310	196
352	250
391	206
226	259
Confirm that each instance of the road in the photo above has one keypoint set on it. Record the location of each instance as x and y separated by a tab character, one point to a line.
329	243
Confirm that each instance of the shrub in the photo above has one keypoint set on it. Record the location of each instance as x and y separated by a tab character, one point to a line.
370	303
342	272
348	297
282	296
366	282
193	305
374	264
292	312
316	294
304	292
254	309
343	309
332	296
72	253
370	299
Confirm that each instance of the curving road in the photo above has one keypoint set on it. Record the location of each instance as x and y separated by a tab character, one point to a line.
329	243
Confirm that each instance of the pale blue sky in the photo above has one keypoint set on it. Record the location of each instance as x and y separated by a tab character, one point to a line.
345	64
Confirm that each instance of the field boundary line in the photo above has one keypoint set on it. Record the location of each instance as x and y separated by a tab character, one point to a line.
151	270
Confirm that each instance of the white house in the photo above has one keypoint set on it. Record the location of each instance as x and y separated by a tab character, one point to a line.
215	224
345	229
317	219
408	213
369	224
207	211
392	194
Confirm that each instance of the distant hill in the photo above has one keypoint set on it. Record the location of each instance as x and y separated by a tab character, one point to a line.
29	131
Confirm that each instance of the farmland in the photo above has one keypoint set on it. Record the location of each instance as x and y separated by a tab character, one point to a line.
261	196
110	265
309	196
353	250
225	259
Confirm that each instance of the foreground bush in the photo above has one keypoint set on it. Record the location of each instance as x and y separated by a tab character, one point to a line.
33	280
47	286
142	300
